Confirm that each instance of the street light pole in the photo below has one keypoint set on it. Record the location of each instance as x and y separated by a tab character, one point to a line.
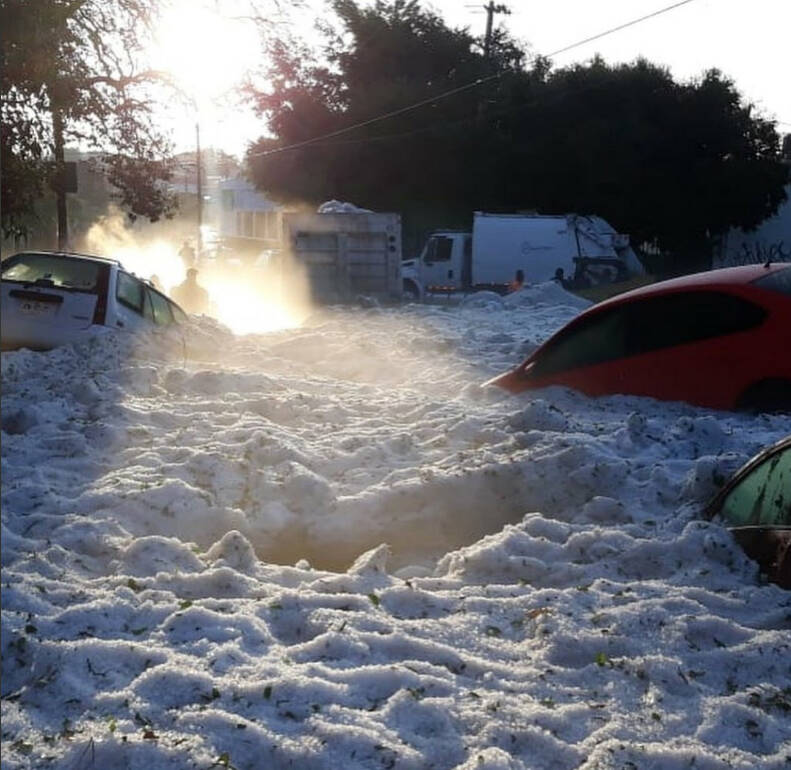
60	179
200	188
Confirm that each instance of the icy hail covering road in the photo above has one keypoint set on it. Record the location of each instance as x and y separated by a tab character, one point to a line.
328	547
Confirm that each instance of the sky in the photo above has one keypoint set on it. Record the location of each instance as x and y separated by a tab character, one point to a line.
747	41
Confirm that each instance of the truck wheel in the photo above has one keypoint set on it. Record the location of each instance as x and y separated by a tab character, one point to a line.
410	292
772	395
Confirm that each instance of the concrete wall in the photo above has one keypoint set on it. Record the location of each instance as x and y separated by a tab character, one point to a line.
771	241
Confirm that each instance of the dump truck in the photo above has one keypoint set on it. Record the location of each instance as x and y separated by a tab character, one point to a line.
580	250
346	254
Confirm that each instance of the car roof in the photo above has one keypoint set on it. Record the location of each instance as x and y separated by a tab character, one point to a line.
726	276
70	255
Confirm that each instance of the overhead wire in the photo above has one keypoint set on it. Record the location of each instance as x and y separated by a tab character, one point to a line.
490	114
612	30
473	118
466	87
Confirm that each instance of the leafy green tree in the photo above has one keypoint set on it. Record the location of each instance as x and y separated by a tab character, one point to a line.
670	163
72	74
385	56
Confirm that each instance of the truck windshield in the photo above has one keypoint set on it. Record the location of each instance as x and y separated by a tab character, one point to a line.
53	270
438	249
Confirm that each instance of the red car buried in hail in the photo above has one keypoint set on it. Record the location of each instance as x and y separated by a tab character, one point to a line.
720	339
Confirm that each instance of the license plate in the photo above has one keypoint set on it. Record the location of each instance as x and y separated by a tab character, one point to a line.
36	308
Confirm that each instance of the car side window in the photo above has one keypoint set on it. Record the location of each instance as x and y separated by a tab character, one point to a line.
677	319
130	292
763	496
148	307
179	315
598	339
161	307
646	325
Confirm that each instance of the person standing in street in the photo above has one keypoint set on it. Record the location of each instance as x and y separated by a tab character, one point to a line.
518	282
192	297
187	254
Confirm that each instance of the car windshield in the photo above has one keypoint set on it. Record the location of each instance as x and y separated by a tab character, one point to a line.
52	270
763	496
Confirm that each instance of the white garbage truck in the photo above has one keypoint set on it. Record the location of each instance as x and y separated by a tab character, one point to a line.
579	250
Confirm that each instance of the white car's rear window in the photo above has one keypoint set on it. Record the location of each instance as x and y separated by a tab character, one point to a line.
52	270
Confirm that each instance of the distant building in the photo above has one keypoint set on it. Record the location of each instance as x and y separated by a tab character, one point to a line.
91	174
215	165
248	220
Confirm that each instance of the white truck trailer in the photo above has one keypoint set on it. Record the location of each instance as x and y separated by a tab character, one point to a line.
585	248
346	255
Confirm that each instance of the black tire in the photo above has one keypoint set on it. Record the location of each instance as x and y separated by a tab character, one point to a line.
410	292
772	395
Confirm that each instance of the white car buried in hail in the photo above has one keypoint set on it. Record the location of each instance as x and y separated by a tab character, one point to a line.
53	298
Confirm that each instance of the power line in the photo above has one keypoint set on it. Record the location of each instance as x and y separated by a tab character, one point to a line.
466	87
444	125
450	124
620	27
387	115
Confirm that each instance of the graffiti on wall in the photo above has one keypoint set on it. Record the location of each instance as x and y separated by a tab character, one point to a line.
757	252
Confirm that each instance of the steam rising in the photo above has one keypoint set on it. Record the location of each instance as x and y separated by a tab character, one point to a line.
248	295
143	256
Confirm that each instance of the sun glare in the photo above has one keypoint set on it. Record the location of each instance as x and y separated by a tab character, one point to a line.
245	311
245	299
146	259
205	52
250	303
156	260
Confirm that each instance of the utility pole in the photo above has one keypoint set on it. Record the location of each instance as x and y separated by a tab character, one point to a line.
60	178
491	9
199	165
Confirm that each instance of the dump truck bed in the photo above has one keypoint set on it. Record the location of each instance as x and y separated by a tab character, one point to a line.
346	255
